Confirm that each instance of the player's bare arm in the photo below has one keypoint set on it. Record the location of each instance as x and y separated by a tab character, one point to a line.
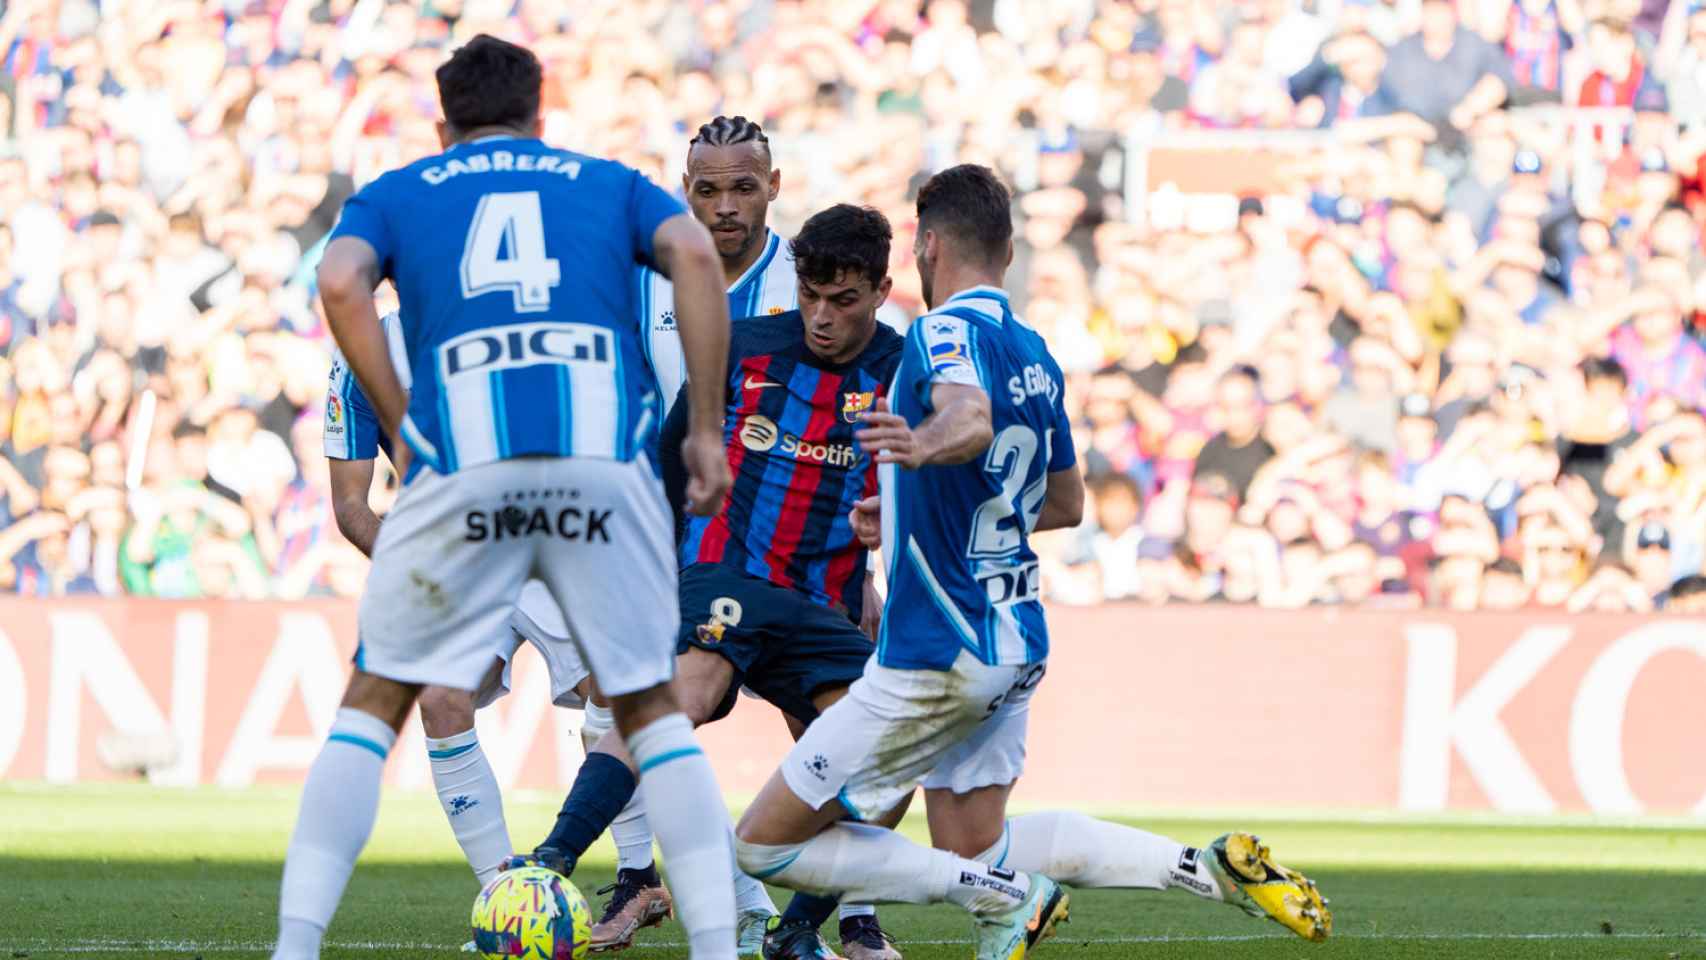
958	431
1063	500
348	273
351	480
684	250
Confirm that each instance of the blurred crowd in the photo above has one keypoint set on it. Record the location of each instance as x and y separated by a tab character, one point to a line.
1449	354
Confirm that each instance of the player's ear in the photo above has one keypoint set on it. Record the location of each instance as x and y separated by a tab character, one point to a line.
1009	262
446	138
883	289
775	184
537	129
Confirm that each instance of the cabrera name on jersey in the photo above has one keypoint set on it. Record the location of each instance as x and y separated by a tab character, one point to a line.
961	571
767	288
513	262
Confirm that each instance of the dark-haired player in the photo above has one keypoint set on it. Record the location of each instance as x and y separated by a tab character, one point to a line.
524	449
976	455
773	585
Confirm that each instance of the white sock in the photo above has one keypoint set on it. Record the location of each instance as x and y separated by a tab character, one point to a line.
678	787
868	864
596	721
469	791
850	910
751	897
1085	852
339	801
633	836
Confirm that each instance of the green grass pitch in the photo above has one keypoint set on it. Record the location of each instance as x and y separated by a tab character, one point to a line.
129	871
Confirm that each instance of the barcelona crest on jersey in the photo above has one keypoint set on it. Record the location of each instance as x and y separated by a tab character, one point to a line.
854	404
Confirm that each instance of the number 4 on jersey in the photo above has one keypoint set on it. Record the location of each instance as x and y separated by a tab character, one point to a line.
510	225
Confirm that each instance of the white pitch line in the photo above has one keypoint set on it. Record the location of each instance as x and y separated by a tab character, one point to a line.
255	946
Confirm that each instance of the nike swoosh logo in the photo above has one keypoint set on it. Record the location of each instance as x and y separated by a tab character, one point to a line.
753	383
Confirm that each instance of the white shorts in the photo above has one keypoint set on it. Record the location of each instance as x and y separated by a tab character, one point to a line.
957	730
455	551
536	620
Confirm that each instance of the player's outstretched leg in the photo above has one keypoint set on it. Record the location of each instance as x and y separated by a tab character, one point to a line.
339	802
1012	911
1085	852
463	777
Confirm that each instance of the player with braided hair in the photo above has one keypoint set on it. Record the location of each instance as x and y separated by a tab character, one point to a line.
730	183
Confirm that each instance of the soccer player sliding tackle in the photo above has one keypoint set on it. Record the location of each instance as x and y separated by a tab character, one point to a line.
976	455
774	585
523	449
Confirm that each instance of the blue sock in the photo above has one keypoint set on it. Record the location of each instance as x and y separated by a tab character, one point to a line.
601	789
809	910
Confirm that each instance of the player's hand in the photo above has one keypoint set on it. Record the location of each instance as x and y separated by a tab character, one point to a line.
401	456
871	617
888	437
866	517
708	478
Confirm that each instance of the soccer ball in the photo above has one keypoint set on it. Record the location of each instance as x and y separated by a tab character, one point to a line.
531	913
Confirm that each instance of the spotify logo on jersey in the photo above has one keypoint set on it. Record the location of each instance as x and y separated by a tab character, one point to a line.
758	433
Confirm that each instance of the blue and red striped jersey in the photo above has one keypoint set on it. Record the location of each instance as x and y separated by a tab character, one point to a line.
788	430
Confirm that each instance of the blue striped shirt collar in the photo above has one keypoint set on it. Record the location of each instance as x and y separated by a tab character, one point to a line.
772	241
983	291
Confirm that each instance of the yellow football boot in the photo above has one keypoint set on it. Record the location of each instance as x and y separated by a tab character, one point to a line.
1250	879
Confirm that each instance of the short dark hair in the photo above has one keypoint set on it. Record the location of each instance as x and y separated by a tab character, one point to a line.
843	237
1688	586
1604	368
971	204
1114	481
1505	565
490	83
1243	371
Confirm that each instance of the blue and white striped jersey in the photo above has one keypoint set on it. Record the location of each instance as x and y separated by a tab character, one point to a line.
513	262
961	572
351	427
766	288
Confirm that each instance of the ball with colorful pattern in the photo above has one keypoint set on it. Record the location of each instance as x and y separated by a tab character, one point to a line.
531	913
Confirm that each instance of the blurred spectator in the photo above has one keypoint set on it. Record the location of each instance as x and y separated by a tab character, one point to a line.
1618	69
1503	586
1238	450
1342	82
1537	35
1444	73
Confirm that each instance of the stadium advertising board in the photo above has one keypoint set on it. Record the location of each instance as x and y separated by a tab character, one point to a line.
1177	707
